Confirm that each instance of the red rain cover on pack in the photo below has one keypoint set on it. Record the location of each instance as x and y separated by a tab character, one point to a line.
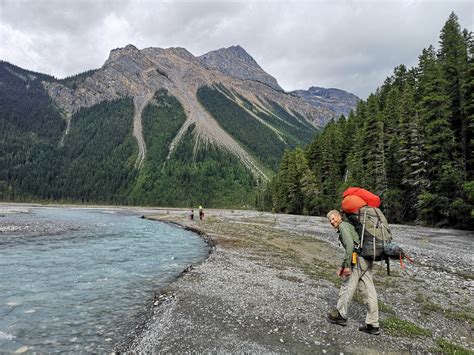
371	199
352	203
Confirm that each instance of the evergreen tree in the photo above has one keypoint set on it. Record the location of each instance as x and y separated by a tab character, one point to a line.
375	177
469	107
355	158
395	142
439	140
415	181
453	61
407	140
287	194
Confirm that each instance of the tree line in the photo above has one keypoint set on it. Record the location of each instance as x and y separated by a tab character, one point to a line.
410	142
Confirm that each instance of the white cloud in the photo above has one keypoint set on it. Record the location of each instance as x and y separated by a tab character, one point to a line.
352	45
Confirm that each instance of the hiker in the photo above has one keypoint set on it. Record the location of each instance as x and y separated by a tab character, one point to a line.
201	213
356	272
191	215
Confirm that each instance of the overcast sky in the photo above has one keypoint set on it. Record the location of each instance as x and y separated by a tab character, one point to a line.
351	45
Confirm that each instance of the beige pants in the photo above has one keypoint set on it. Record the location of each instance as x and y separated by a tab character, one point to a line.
360	278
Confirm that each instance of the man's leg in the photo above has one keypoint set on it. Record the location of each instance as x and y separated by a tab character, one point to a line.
346	292
366	286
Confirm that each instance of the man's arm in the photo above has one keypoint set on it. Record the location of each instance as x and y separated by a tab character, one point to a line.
347	243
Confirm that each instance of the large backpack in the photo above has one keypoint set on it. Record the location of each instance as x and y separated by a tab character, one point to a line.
361	210
374	232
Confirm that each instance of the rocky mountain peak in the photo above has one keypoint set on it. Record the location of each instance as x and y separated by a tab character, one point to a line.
235	61
339	101
182	53
330	93
240	53
232	72
120	52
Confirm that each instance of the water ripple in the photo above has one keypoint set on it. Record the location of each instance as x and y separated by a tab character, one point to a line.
75	279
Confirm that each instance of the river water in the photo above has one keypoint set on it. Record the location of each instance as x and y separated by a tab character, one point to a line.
78	279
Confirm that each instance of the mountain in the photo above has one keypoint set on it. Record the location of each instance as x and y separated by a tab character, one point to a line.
235	61
152	126
339	101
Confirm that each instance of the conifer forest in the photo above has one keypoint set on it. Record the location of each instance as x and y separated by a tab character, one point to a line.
411	142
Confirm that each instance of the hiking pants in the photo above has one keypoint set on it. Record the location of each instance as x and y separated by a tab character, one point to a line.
360	278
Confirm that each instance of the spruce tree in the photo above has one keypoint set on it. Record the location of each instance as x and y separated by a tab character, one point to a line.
439	140
469	107
355	158
415	181
453	61
375	177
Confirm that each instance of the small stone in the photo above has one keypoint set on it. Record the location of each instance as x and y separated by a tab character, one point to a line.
281	340
324	351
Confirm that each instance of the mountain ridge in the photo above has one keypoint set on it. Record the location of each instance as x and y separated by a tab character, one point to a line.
339	101
235	61
139	73
180	121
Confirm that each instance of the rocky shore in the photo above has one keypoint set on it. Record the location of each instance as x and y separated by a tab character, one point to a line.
271	279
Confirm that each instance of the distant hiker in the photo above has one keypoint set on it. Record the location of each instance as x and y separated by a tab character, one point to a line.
356	272
201	213
191	215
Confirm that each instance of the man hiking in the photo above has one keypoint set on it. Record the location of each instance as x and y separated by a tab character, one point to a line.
356	272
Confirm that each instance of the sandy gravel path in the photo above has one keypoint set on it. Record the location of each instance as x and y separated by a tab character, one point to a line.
270	281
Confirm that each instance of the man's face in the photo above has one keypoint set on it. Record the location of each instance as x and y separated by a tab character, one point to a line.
335	220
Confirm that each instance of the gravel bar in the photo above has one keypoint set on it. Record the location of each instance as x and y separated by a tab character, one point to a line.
270	281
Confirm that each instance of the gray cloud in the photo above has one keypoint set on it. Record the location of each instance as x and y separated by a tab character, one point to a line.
352	45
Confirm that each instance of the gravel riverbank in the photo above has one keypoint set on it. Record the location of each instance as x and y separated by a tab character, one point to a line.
270	281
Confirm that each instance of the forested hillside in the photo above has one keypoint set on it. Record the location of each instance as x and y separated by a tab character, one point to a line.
265	139
30	130
95	160
150	127
195	173
411	142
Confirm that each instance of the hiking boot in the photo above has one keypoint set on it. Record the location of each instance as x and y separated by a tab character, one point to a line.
369	329
335	317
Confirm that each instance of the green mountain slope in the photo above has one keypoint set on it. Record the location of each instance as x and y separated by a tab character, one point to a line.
266	138
194	173
89	156
30	130
99	153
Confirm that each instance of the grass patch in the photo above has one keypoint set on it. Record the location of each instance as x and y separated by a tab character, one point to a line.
358	298
461	316
426	305
322	272
290	278
450	348
460	274
401	328
385	308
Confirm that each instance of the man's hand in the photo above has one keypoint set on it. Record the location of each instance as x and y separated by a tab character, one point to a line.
344	272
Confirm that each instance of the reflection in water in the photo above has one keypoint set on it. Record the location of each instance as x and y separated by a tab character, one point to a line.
73	279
